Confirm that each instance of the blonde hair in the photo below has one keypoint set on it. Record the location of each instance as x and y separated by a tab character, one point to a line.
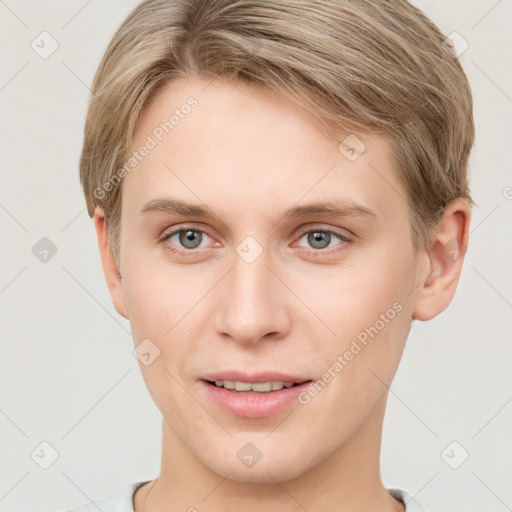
375	66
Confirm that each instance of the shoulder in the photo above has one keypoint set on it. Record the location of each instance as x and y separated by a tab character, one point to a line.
119	502
411	504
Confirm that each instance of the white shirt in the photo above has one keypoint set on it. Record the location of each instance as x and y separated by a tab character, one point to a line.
123	501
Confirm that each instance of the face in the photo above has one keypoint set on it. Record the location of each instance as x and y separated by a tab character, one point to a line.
253	249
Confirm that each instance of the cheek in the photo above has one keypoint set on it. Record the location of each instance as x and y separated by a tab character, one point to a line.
357	364
161	306
367	308
352	296
159	297
165	306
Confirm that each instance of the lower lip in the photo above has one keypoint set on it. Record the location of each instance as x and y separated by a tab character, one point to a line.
259	405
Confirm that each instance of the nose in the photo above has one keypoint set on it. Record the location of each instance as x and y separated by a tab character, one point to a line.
253	303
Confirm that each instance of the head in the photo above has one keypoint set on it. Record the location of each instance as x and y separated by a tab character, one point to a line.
253	112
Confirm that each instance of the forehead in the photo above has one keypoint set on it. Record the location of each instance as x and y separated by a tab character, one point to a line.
226	144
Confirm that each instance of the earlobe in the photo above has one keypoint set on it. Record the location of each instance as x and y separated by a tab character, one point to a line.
443	261
112	273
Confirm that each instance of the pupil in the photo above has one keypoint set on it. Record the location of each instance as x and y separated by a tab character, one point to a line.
186	237
318	239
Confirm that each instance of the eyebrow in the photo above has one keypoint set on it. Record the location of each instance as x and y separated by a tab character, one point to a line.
333	208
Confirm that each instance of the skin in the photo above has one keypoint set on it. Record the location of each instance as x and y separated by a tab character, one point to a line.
248	156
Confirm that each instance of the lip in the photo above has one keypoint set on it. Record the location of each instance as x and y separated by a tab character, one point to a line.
254	377
253	405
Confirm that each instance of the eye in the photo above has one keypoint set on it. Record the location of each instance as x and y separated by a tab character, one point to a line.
186	239
321	239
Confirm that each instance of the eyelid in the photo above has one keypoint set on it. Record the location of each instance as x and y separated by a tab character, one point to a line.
327	229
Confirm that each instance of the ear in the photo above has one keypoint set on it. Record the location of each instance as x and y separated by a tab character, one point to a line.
442	263
112	274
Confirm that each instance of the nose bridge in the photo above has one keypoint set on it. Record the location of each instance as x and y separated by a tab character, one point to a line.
252	305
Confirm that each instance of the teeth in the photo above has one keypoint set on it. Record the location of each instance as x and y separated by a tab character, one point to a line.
243	386
260	387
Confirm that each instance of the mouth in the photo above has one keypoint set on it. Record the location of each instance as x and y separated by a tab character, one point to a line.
253	396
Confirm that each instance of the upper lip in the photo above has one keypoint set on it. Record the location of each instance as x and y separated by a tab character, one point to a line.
254	377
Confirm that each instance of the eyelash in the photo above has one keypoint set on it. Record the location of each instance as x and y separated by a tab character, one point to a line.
164	238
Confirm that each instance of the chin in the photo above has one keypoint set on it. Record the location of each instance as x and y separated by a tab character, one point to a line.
267	474
279	467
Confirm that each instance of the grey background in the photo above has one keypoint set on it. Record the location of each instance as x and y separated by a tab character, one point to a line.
68	376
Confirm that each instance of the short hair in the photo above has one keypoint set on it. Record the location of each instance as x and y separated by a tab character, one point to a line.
374	66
